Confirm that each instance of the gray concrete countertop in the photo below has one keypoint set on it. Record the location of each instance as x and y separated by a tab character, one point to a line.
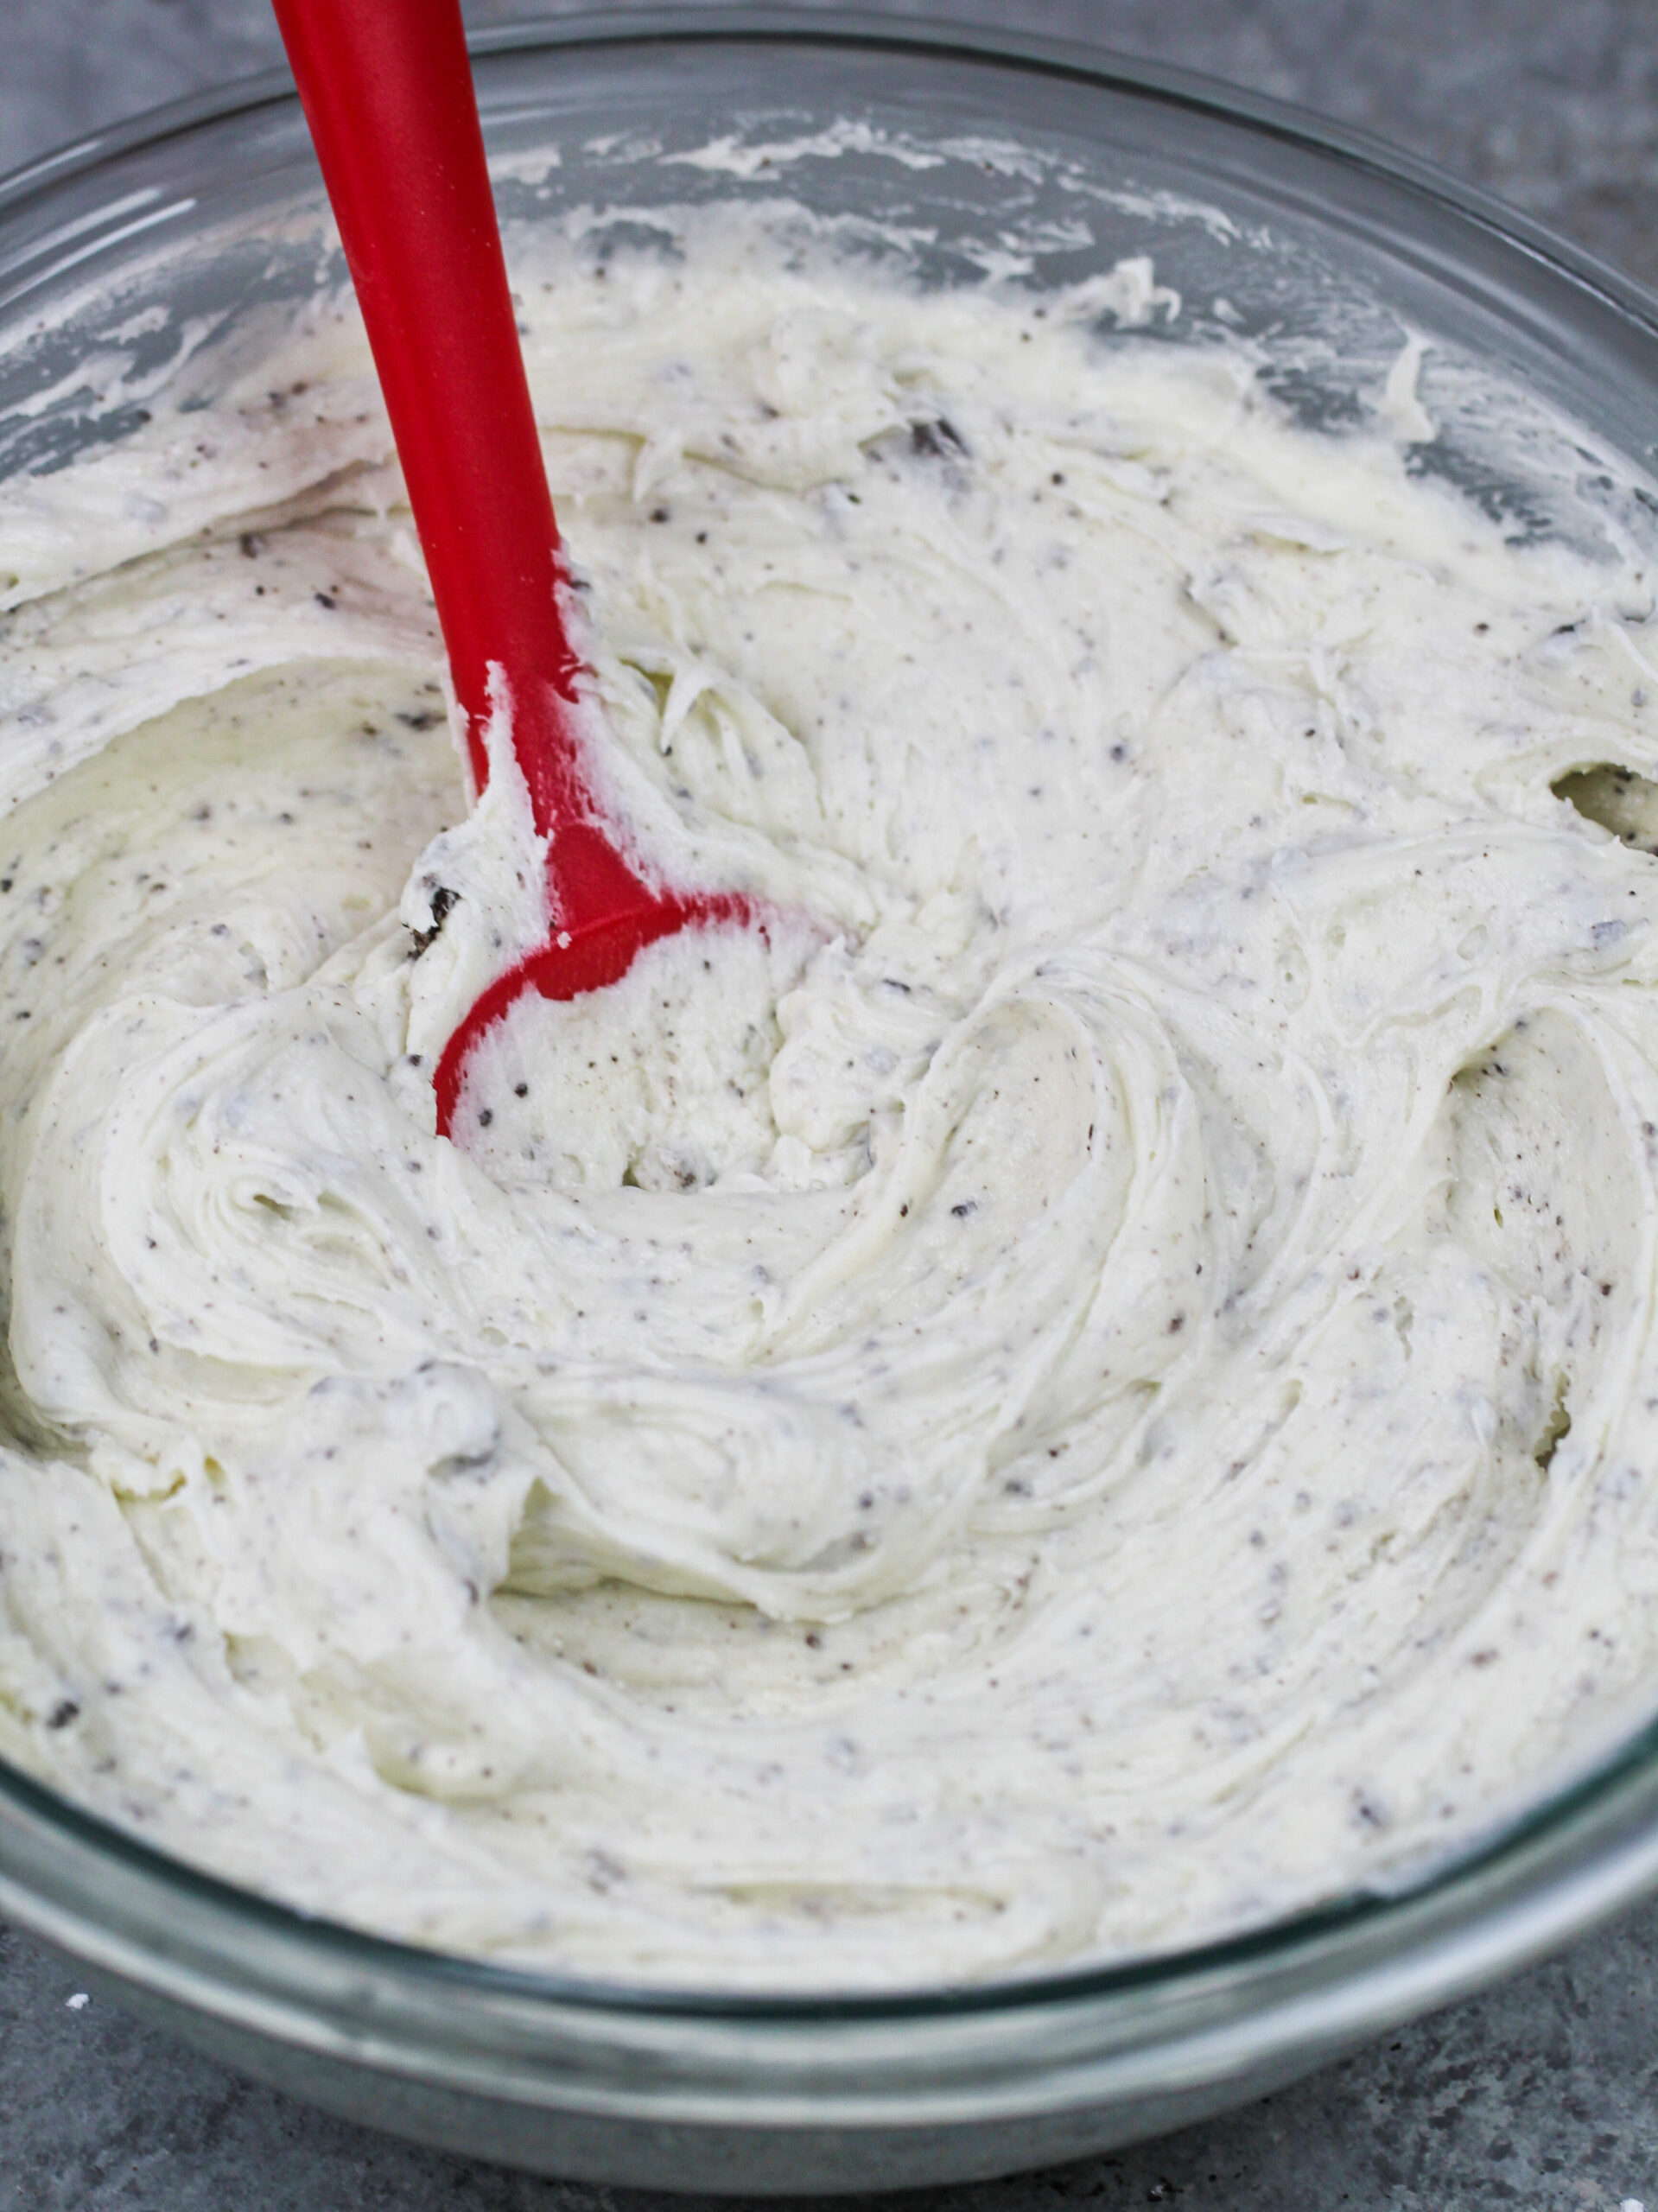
1542	2094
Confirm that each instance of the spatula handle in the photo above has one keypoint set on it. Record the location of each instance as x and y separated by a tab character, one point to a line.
387	91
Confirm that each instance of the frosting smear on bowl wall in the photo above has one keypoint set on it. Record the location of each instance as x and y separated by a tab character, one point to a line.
1097	1391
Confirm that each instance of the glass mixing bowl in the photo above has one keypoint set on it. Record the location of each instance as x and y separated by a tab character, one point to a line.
988	156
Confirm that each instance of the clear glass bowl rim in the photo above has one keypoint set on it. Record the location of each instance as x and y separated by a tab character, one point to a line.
1364	1960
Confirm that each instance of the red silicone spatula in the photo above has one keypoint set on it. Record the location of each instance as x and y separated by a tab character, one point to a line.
387	91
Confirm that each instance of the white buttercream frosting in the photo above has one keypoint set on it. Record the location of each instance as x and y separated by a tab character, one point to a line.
1095	1386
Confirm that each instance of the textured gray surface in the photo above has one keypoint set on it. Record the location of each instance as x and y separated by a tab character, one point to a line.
1542	2094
